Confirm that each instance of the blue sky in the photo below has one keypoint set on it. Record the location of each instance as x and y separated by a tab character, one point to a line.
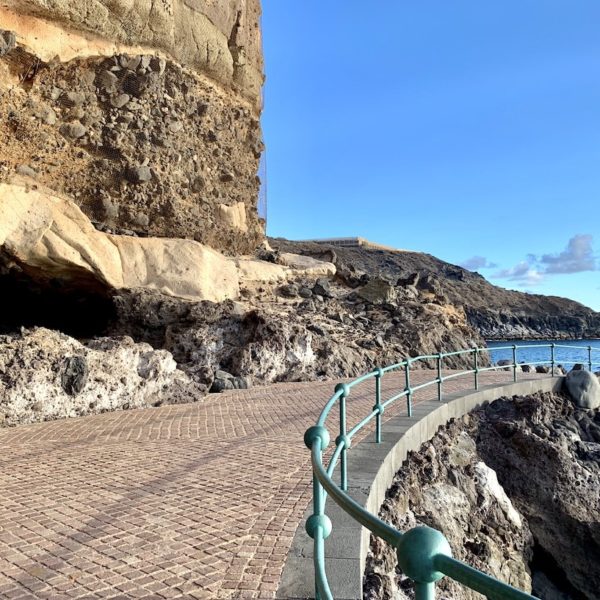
468	130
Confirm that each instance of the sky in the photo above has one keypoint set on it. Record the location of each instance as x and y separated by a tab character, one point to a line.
468	130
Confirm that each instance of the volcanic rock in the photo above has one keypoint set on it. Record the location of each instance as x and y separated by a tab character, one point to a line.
47	375
513	486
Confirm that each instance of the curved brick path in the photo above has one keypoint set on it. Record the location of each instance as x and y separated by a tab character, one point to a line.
189	501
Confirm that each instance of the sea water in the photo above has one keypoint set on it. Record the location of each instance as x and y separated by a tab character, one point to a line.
566	352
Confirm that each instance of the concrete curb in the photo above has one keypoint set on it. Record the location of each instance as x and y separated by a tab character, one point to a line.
371	469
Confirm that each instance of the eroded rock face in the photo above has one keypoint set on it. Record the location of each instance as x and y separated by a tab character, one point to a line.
139	143
447	486
49	238
547	455
47	375
221	39
146	113
514	487
273	338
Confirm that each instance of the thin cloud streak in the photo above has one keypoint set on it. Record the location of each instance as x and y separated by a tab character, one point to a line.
478	262
577	257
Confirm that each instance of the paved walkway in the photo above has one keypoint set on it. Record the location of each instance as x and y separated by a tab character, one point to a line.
189	501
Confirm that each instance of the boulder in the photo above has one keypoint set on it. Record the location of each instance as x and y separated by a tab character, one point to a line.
322	288
289	291
584	388
378	291
508	365
47	375
49	237
310	266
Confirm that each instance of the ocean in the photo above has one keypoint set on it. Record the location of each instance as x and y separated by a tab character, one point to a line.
566	352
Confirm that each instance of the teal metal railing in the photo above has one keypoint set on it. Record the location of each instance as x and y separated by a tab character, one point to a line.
424	554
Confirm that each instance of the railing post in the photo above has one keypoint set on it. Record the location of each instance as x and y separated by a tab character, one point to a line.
476	367
318	525
378	407
439	378
514	352
552	359
424	591
590	357
408	388
343	438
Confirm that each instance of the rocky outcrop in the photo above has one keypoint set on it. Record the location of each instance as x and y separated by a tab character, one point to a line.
47	375
549	436
162	139
542	516
447	486
296	335
494	312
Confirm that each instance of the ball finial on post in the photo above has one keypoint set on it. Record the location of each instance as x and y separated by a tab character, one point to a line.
317	432
416	551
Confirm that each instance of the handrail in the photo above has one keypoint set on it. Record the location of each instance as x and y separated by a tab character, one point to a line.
423	553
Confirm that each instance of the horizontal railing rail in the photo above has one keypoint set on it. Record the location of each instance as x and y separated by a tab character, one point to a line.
424	554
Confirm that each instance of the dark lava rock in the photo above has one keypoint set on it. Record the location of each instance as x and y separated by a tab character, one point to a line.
221	385
541	523
289	291
224	381
140	174
552	481
107	80
74	375
120	101
322	288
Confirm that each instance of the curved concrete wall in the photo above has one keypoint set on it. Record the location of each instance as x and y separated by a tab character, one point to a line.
371	470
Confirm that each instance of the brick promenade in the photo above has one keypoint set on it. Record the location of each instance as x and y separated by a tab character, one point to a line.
190	501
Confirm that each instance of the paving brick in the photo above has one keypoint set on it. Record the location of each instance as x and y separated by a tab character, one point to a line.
188	501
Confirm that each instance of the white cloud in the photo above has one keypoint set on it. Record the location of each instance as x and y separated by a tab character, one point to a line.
477	262
577	257
523	273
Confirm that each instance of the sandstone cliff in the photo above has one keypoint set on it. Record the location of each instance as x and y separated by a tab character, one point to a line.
145	113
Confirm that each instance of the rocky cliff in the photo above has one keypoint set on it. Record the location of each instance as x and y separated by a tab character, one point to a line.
145	113
496	313
514	487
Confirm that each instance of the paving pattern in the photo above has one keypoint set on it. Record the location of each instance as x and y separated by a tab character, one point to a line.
190	501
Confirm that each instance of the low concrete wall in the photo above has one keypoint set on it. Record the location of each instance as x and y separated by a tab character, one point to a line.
371	470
